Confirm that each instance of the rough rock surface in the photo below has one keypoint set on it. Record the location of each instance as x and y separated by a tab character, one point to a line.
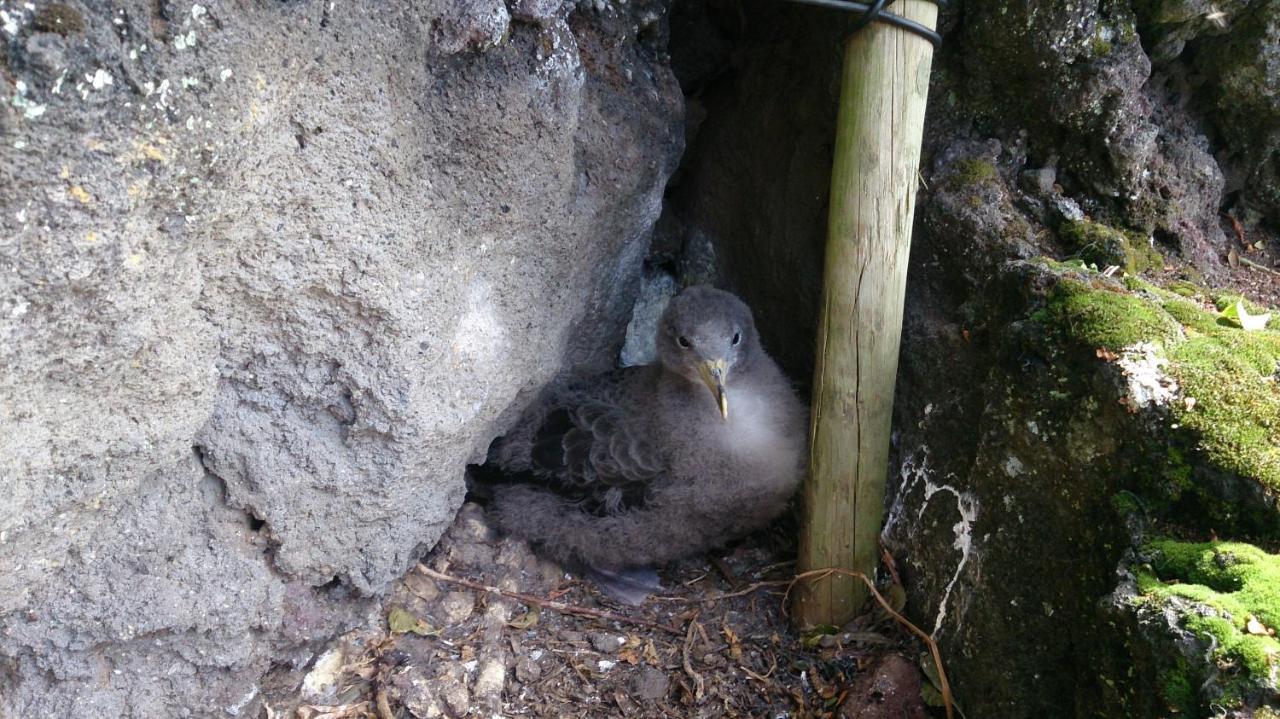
327	248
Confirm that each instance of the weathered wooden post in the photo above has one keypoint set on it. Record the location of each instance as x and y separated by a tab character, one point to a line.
873	187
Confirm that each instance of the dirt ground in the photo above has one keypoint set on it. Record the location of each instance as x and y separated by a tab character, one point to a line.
715	644
1254	263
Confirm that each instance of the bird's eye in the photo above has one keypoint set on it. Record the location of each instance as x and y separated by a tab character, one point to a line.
683	341
737	337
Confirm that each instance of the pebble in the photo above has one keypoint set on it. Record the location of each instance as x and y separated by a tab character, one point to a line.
606	643
456	607
527	670
650	684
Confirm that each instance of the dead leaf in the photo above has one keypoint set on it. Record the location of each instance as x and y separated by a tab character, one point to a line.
651	653
897	596
1235	225
526	620
1103	353
400	621
1189	403
1233	258
735	645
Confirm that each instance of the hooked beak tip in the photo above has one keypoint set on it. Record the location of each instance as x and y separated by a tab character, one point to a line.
713	375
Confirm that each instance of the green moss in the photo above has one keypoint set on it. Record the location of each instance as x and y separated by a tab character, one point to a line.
1226	416
1239	582
1190	315
1182	288
1125	504
1100	46
1237	402
1102	318
1102	245
1177	691
970	171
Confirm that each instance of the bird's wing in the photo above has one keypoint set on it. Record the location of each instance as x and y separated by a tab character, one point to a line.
588	451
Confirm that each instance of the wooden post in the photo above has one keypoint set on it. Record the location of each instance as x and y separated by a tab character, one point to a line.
873	189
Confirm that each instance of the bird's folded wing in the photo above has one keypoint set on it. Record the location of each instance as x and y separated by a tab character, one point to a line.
590	454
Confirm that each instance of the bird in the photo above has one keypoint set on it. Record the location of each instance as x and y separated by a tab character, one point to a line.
615	474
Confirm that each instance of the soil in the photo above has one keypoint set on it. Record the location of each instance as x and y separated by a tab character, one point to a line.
1254	264
716	643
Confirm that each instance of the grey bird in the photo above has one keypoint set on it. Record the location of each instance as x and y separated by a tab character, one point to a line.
618	473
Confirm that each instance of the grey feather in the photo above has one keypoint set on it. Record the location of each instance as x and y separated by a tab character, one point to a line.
638	467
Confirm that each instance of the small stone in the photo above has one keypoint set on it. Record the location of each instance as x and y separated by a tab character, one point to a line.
527	670
606	643
422	587
1039	181
471	25
515	554
1066	208
537	11
489	683
456	697
571	636
469	554
650	684
321	683
456	607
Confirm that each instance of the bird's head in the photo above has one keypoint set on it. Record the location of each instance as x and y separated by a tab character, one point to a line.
705	336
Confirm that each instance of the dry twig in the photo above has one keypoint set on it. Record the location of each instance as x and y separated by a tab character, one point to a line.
818	574
1256	266
698	684
546	603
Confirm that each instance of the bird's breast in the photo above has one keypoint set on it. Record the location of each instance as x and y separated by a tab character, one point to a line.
760	435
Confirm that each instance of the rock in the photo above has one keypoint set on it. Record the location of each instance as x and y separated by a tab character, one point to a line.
1039	181
1083	452
488	684
527	670
455	694
571	636
455	607
1239	57
537	11
1079	84
337	281
422	587
471	554
889	690
972	201
650	684
320	684
656	290
606	643
475	25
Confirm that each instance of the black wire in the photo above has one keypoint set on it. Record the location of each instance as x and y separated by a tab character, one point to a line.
872	12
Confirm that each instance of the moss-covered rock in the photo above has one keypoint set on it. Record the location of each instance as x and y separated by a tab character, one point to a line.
1102	245
1107	318
1233	593
1227	375
970	171
1082	437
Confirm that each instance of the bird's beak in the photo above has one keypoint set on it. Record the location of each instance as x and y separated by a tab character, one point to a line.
713	373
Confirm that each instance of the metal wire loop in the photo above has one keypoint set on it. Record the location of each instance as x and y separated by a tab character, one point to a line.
872	12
